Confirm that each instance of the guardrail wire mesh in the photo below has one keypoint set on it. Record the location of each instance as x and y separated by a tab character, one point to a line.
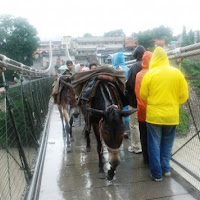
22	113
186	150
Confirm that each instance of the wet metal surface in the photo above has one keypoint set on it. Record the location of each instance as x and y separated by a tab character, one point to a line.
74	175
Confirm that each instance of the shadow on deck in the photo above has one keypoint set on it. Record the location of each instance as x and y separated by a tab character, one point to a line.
74	175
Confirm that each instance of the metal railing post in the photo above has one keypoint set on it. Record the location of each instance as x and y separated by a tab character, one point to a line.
27	106
22	155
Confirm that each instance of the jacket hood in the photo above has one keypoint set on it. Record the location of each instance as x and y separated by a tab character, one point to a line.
138	53
146	59
159	58
118	60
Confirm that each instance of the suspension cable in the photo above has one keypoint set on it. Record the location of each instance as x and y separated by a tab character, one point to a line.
10	64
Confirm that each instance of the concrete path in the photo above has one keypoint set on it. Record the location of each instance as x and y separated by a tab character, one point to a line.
73	176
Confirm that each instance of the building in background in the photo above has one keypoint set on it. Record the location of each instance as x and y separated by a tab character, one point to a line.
129	44
97	45
160	42
81	48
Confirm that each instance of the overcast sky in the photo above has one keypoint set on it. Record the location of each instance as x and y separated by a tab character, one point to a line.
55	18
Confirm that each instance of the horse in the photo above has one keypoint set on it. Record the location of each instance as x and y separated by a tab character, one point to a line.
105	115
67	106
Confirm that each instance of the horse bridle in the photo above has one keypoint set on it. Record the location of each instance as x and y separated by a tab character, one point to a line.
107	105
100	132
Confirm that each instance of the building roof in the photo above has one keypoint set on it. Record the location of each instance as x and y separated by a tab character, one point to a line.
99	39
160	41
129	42
175	42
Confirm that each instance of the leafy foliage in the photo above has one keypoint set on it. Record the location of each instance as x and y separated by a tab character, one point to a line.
87	35
18	39
192	68
163	32
115	33
188	38
144	38
184	125
147	38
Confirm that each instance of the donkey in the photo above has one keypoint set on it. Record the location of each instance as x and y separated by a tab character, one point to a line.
105	115
67	107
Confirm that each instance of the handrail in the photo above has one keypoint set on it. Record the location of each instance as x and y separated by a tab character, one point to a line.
183	52
10	64
34	189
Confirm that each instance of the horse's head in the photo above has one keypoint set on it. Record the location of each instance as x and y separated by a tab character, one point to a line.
111	128
74	111
70	96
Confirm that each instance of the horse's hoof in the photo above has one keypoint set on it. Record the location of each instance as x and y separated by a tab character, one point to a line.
88	149
68	149
101	174
110	175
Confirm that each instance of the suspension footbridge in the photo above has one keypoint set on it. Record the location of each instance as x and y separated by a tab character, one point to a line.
33	159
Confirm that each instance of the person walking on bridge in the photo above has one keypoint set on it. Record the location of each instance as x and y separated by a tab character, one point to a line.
130	93
70	67
164	88
141	105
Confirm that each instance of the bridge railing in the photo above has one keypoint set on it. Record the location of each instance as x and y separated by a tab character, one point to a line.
23	114
7	63
186	149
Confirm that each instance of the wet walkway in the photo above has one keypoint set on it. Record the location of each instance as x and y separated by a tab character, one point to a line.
73	176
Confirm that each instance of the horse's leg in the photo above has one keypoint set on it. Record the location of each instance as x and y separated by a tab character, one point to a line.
114	159
70	128
111	173
101	172
61	116
67	127
87	136
87	129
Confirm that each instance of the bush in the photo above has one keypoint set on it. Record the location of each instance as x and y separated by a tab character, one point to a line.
192	69
184	125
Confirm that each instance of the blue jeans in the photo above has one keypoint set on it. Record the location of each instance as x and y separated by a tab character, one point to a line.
160	141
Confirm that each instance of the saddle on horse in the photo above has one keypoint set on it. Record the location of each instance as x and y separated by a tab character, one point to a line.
86	84
59	84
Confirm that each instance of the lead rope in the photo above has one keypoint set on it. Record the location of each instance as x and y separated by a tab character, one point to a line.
100	132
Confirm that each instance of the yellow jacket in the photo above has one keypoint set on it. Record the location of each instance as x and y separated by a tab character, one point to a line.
164	88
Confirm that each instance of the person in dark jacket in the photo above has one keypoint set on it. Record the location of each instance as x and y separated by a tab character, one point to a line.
130	93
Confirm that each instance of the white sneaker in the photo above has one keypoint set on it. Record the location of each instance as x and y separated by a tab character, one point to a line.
156	179
167	174
134	150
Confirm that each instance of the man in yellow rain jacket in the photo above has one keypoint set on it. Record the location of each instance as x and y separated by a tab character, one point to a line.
164	88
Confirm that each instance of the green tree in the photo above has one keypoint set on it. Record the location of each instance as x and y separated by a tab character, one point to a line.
147	38
87	35
184	33
198	36
163	32
188	38
115	33
18	39
144	38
